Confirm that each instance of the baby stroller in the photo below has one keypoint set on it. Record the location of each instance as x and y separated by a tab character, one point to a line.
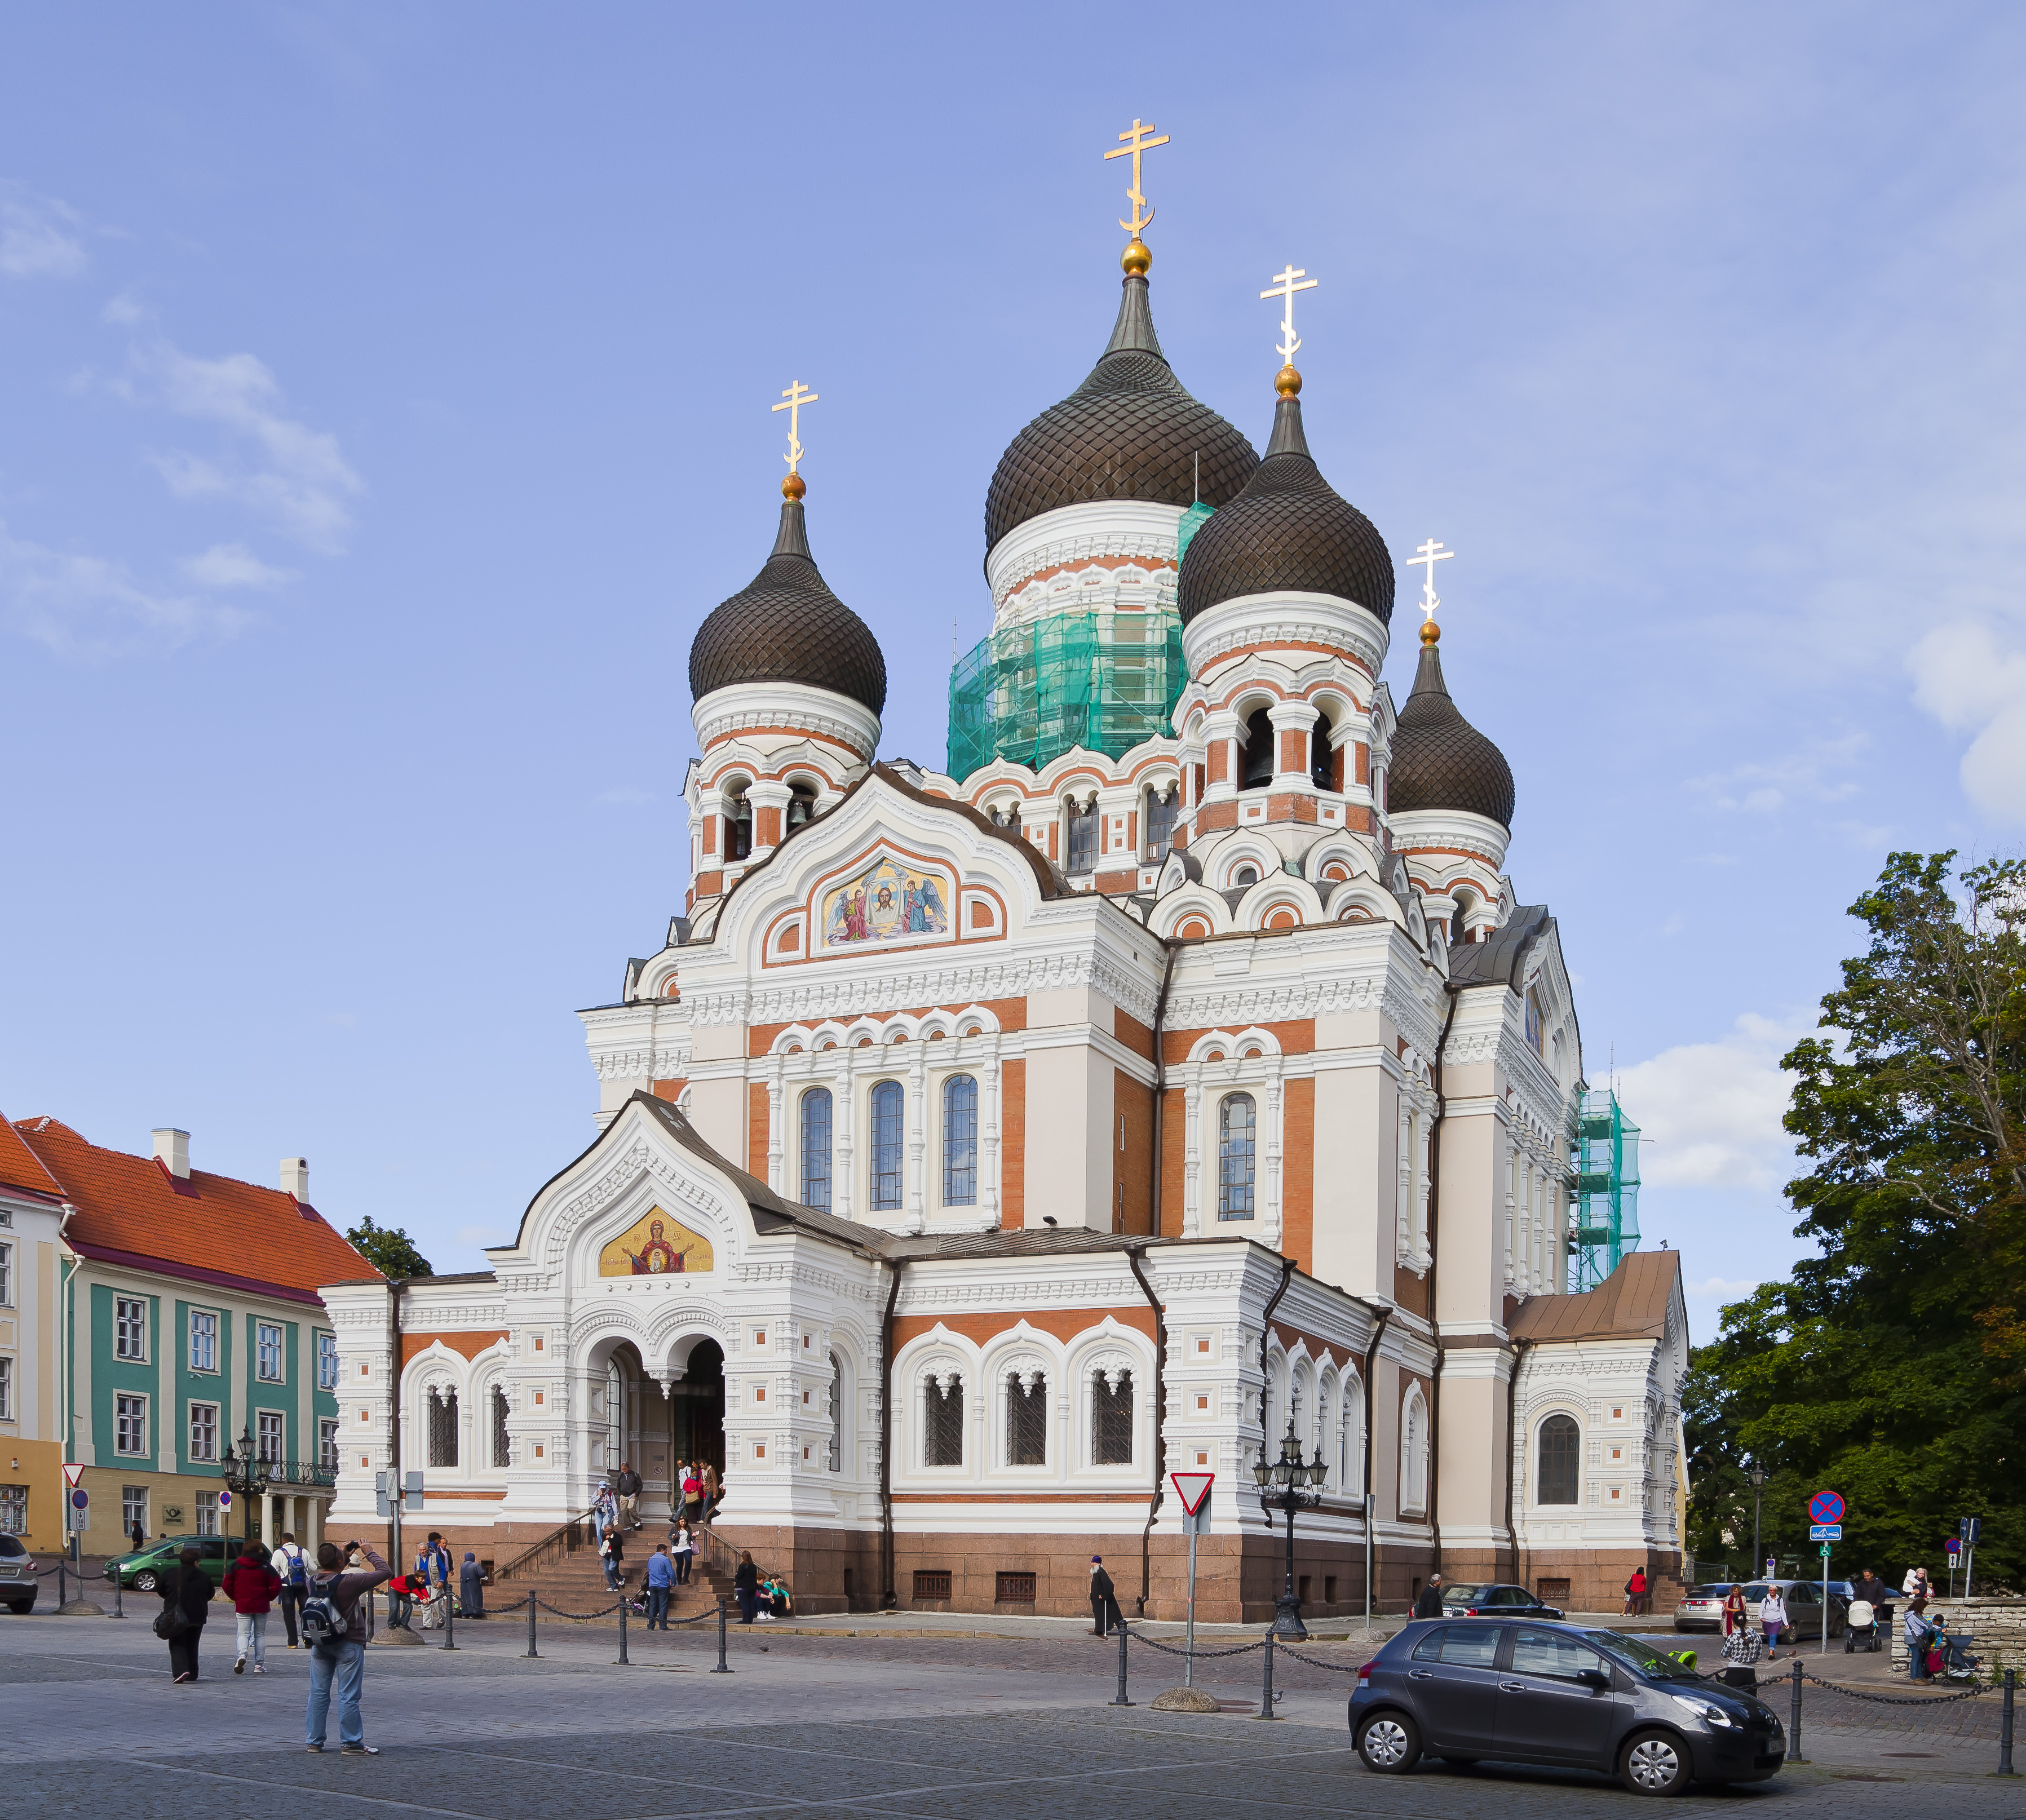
1861	1628
1949	1658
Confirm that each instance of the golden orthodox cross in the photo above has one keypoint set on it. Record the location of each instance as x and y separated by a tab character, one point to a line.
1284	287
1135	142
795	397
1425	559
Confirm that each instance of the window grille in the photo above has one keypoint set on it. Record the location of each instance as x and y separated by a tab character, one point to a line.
130	1329
942	1427
443	1427
961	1141
1557	1479
13	1509
1235	1122
1161	813
931	1585
272	1439
267	1351
836	1461
1081	844
1013	1589
203	1341
130	1416
326	1362
886	1145
1111	1420
1026	1420
502	1453
203	1431
816	1149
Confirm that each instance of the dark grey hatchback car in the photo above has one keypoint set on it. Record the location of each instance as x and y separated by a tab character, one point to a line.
1474	1689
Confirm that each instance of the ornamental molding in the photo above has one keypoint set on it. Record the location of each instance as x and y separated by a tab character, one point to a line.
1284	618
1138	529
1415	829
741	707
644	1062
1294	999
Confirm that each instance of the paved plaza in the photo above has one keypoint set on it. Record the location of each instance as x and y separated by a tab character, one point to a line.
925	1726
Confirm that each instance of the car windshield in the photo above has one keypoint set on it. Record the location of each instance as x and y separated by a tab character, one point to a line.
10	1547
1637	1652
1467	1595
1722	1592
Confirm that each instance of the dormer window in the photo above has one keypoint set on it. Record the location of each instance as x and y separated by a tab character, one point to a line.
1161	813
1245	875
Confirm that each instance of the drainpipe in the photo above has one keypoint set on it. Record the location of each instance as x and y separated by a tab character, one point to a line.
1160	1088
889	1597
1266	1335
1512	1450
1371	1495
395	1285
1434	1264
1133	1258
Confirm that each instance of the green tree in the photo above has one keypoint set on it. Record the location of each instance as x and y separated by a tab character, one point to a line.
1892	1366
392	1253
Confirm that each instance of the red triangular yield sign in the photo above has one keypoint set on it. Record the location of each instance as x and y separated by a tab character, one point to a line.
1191	1488
72	1475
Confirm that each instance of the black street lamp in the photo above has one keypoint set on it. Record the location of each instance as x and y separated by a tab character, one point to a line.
1757	1475
245	1475
1295	1477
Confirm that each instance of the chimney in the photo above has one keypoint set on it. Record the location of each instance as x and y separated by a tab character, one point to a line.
172	1152
295	1178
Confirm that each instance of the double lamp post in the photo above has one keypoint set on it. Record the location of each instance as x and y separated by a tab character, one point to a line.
1290	1484
246	1476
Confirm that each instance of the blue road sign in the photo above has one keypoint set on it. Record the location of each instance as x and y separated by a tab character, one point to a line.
1825	1507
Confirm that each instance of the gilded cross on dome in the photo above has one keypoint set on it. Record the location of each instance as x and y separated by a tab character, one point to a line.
1133	142
792	399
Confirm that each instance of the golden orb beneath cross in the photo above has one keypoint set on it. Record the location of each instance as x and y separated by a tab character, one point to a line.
1136	258
792	487
1287	382
1431	632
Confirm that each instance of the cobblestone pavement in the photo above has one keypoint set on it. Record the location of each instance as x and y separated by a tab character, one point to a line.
954	1729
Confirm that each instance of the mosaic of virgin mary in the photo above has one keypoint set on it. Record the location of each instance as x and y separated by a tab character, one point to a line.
889	901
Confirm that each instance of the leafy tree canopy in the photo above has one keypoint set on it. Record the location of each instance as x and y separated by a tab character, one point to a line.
392	1253
1892	1366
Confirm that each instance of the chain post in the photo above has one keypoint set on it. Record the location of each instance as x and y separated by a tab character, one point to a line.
1266	1694
531	1651
624	1657
450	1618
722	1667
62	1597
1121	1700
118	1612
1794	1723
2005	1729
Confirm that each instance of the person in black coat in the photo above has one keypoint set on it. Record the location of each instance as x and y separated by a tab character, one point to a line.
187	1589
1104	1611
1430	1604
746	1588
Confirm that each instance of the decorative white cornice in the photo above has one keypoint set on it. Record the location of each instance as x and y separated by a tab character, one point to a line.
1082	533
1421	829
1284	617
725	713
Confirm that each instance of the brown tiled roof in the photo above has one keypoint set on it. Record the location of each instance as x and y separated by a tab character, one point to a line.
1439	760
1631	1303
210	1227
21	1170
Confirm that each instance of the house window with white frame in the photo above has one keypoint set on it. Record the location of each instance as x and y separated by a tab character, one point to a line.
203	1433
942	1409
815	1135
267	1351
6	1276
326	1362
961	1141
210	1517
203	1340
132	1509
130	1425
889	1121
1111	1419
327	1443
271	1437
13	1509
130	1329
6	1389
1026	1419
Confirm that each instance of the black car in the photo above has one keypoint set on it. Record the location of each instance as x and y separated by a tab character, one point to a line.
1472	1690
1496	1601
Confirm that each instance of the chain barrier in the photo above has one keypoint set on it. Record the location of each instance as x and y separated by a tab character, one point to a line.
1896	1699
580	1617
1198	1655
1334	1667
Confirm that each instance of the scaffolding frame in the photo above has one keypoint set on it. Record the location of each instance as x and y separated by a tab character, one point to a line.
1603	1188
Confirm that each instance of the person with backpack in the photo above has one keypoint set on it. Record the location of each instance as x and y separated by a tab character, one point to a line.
1773	1620
186	1593
335	1631
293	1565
252	1585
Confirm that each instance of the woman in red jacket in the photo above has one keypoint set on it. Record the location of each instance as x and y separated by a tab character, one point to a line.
252	1586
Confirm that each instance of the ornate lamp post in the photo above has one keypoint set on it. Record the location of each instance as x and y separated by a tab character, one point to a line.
1299	1483
245	1475
1757	1475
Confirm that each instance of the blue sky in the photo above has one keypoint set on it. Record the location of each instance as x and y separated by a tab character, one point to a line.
383	402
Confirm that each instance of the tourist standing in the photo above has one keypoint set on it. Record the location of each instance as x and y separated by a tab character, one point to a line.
432	1568
1735	1616
251	1586
1635	1594
711	1493
746	1588
611	1553
293	1565
1773	1620
682	1551
186	1593
1918	1631
629	1495
341	1660
661	1585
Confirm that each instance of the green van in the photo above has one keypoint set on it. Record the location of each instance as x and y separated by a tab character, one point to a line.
142	1571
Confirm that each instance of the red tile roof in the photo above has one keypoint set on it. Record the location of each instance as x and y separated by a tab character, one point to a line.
210	1228
21	1169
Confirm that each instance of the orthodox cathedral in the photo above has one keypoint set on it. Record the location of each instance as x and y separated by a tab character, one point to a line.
1176	1084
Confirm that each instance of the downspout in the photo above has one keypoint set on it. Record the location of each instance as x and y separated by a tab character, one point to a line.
1511	1451
889	1599
1266	1335
395	1285
1371	1495
1132	1257
1434	1264
1160	1089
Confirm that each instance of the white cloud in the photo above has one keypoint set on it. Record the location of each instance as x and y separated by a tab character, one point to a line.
84	606
1712	1111
233	566
1973	684
1766	786
1718	1289
295	477
126	311
39	237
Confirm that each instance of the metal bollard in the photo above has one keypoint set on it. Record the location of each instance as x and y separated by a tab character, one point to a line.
1266	1697
117	1583
450	1618
722	1668
530	1652
1121	1700
623	1657
2004	1731
62	1598
1794	1725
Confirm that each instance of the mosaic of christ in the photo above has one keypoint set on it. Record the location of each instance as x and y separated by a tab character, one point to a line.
889	901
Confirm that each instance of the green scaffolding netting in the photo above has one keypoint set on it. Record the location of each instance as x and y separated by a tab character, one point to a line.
1604	1189
1101	681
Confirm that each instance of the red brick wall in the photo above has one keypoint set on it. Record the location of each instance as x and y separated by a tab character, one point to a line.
1297	1174
1013	1143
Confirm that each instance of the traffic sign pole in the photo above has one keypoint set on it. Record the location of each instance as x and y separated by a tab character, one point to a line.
1193	1489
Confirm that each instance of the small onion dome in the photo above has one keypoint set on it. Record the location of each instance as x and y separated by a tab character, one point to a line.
1440	761
1128	432
786	626
1287	530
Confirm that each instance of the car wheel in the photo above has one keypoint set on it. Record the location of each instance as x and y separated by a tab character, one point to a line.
1654	1764
144	1583
1389	1743
21	1610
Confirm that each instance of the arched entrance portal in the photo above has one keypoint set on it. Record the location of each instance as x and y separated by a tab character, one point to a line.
696	1407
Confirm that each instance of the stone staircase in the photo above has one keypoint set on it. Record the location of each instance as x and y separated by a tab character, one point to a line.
572	1579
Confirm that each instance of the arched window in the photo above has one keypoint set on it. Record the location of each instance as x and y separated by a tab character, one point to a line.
1235	1131
942	1422
801	806
1161	813
738	824
886	1147
961	1141
1110	1420
836	1413
502	1452
1082	843
1414	1454
1026	1419
1459	930
1246	875
816	1149
1322	765
443	1427
1259	754
1557	1480
1536	1020
1009	820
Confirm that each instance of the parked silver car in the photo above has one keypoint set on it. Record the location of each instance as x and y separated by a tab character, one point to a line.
18	1583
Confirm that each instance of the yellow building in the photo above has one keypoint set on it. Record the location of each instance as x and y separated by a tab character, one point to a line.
32	1218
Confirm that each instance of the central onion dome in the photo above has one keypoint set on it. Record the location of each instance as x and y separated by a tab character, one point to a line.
1128	432
1288	531
786	626
1440	761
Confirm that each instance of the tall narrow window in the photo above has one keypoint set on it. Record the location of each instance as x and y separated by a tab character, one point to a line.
1111	1420
6	1390
327	1443
942	1422
6	1276
203	1341
961	1141
267	1350
1559	1441
887	1104
133	1508
836	1413
1082	841
130	1329
443	1427
1259	753
130	1416
203	1431
502	1450
1322	765
1161	813
1234	1123
739	825
1414	1455
326	1362
1026	1420
272	1439
816	1149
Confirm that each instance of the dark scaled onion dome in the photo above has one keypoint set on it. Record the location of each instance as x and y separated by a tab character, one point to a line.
1287	530
1128	432
786	626
1439	760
